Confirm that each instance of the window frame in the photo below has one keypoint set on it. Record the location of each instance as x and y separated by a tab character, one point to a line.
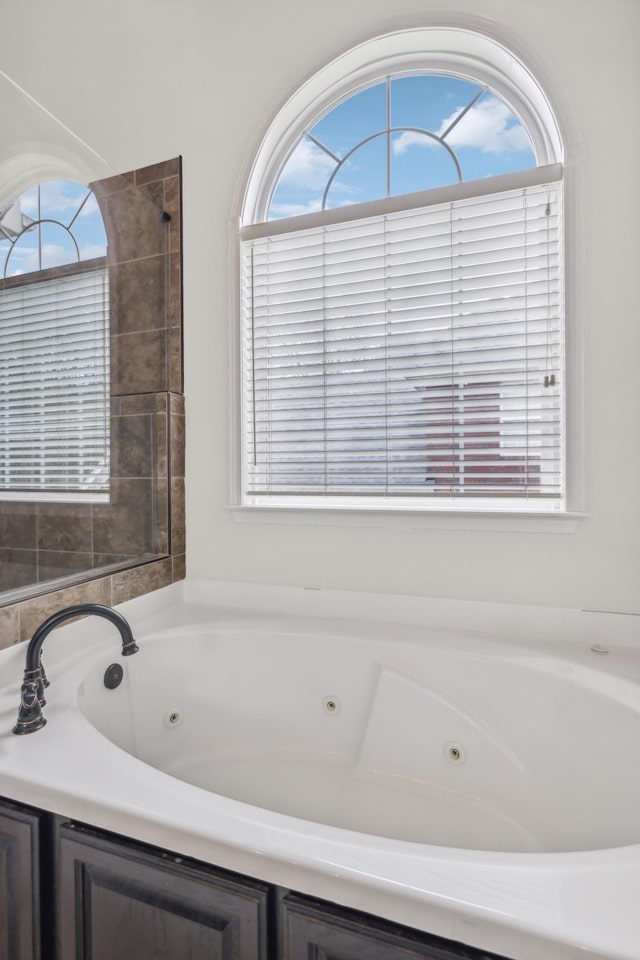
479	58
94	273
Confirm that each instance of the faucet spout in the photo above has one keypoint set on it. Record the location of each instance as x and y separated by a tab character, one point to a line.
30	716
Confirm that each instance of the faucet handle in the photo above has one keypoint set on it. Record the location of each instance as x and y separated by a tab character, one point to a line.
44	683
30	716
39	677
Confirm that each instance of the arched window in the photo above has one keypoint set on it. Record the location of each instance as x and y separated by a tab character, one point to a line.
54	345
402	286
402	135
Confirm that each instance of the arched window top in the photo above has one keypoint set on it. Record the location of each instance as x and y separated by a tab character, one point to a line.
49	225
405	112
402	135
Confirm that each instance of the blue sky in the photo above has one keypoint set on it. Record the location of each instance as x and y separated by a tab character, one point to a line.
67	203
487	139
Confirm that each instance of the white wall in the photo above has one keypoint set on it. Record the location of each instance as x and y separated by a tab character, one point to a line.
144	80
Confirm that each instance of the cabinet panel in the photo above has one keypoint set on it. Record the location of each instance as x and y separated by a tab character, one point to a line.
118	899
19	883
315	931
97	896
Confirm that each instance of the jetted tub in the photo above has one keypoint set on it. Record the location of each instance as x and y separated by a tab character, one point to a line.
426	736
485	788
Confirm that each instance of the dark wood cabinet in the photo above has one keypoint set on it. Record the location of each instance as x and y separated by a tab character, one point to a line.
118	899
19	883
311	930
72	892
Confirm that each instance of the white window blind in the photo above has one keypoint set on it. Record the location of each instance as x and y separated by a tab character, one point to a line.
417	354
54	385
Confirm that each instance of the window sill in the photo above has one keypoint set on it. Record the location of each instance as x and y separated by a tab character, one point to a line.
487	521
53	496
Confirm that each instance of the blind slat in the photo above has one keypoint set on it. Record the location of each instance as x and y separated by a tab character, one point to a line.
54	384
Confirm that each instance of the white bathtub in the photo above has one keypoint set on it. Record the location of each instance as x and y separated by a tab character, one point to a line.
388	754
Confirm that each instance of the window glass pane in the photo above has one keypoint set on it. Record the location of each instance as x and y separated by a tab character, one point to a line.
418	162
78	209
480	137
28	203
60	207
57	246
490	140
353	120
59	200
24	257
429	102
88	229
302	182
362	177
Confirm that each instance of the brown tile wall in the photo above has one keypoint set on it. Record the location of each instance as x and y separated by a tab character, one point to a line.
144	522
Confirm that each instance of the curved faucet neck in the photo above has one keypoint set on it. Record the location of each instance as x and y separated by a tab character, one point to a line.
70	613
30	717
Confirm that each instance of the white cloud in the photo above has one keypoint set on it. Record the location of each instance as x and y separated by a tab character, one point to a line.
308	166
489	125
91	250
400	144
56	200
90	207
29	203
280	210
22	260
25	260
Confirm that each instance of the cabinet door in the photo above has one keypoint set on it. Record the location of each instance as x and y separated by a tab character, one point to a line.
19	883
312	930
118	899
